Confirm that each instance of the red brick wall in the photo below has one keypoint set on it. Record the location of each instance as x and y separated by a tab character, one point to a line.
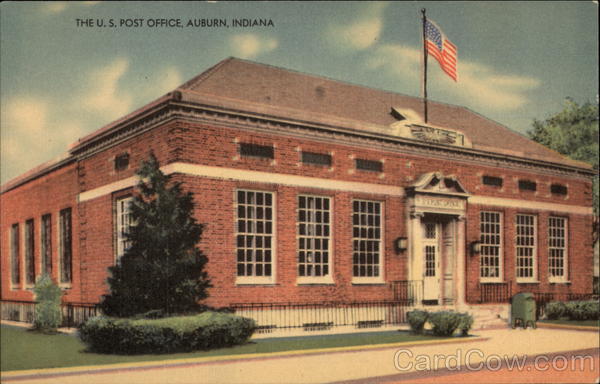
48	194
215	208
93	220
580	253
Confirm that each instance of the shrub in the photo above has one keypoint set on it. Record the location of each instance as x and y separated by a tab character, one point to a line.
466	322
48	314
444	323
417	320
556	310
583	310
591	309
165	335
575	310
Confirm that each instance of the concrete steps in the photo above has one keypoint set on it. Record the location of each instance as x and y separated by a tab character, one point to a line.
489	316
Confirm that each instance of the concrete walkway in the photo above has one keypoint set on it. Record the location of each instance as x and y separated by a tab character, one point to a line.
324	367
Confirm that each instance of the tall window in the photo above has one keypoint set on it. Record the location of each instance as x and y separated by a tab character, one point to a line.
526	247
490	227
65	254
15	276
557	248
123	223
313	236
46	244
254	236
29	253
366	239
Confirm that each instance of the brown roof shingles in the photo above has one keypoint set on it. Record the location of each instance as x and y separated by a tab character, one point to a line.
261	88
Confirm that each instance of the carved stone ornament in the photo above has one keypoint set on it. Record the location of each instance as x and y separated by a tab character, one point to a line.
435	192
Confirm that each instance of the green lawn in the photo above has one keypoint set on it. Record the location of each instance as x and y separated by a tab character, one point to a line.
587	323
22	349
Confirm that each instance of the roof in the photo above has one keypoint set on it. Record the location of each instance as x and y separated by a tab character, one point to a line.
261	88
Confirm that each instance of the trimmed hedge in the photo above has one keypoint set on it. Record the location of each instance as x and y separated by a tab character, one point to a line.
443	323
416	320
573	310
466	322
166	335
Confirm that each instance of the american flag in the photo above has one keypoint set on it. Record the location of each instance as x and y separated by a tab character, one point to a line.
438	46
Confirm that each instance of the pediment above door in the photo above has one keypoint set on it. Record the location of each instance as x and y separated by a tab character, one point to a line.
437	193
439	184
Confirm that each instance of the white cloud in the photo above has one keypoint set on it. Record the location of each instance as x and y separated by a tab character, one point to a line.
169	80
482	86
26	114
399	60
250	45
103	95
478	85
362	32
33	131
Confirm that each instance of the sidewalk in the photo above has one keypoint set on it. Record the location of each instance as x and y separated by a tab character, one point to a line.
323	367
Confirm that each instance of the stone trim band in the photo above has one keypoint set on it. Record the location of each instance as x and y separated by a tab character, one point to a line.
320	183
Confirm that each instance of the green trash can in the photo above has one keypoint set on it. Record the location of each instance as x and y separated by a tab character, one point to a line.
523	310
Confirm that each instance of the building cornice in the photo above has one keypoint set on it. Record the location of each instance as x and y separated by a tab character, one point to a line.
171	108
370	140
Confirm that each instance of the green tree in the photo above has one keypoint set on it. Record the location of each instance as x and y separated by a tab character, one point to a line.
162	270
573	132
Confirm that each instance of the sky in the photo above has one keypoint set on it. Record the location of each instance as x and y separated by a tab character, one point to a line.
61	80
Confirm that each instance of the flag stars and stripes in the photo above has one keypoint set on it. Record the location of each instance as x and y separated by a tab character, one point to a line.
438	46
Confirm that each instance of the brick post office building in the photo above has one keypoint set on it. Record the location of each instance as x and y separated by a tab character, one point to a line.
313	191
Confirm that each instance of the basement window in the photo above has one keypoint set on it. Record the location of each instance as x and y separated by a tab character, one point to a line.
527	185
257	150
558	189
316	158
369	165
492	180
122	162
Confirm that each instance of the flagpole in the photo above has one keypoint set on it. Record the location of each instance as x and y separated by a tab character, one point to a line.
424	74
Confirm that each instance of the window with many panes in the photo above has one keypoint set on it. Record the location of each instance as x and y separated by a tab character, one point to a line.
15	262
490	228
255	242
366	240
122	225
314	231
46	244
430	260
557	248
29	253
526	244
65	246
